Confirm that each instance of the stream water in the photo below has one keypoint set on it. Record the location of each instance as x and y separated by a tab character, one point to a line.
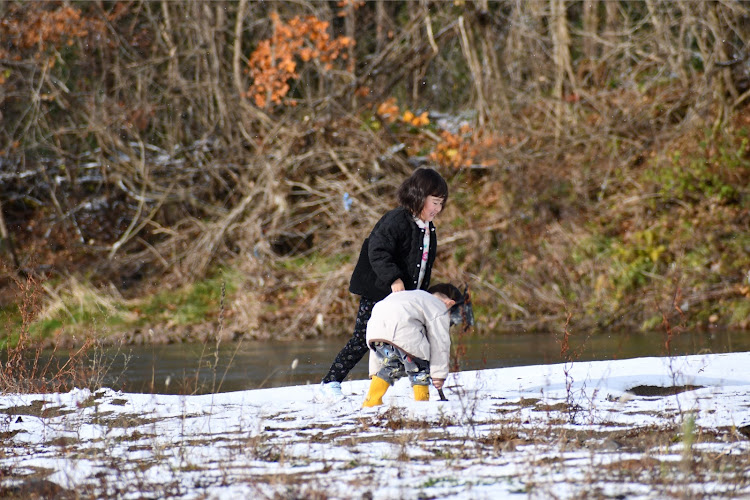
190	368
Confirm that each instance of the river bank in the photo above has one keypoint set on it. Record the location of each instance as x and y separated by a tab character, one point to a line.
606	191
194	368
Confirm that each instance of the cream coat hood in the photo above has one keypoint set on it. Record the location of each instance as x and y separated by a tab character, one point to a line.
418	323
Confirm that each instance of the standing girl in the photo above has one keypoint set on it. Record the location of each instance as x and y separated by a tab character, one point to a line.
397	256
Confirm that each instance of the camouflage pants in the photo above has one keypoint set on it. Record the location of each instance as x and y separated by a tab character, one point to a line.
395	364
356	348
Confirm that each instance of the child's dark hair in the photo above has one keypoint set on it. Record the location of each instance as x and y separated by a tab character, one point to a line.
448	290
422	183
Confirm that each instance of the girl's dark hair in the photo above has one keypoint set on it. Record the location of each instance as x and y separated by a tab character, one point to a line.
448	290
423	182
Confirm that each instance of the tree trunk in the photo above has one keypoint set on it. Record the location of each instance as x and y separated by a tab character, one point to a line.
381	29
248	110
6	242
467	46
494	86
590	29
350	28
612	21
212	24
561	47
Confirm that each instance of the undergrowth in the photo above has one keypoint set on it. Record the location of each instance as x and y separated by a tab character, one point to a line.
588	165
27	367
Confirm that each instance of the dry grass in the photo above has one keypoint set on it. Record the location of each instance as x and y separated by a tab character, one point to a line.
28	368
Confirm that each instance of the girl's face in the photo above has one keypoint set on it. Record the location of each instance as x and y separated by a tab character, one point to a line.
432	206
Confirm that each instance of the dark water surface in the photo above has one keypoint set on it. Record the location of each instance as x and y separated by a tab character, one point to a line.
187	369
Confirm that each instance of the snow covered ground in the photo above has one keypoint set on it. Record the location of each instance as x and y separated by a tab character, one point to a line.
638	428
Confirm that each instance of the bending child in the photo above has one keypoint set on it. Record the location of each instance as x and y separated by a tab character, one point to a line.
408	335
397	255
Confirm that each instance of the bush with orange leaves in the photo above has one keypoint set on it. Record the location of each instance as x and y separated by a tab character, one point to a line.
454	151
458	150
348	5
420	120
274	62
469	147
33	26
389	111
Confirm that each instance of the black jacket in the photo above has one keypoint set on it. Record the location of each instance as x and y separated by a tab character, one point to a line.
393	250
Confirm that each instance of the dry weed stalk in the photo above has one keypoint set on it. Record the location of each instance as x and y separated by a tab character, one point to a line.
28	368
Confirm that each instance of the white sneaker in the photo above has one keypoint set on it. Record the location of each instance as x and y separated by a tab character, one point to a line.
329	392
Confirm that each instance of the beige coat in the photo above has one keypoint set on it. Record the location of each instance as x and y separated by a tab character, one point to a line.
418	323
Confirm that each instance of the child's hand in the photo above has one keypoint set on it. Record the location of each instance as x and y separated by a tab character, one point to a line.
397	286
438	382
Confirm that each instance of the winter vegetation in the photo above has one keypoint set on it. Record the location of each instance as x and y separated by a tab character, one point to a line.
206	171
643	428
163	161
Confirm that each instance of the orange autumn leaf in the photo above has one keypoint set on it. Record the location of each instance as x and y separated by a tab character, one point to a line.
45	26
388	110
274	62
421	120
468	147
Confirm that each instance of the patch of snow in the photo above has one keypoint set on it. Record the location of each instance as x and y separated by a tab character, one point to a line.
568	429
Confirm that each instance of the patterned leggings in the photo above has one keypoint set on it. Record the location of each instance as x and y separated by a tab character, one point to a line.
395	364
356	348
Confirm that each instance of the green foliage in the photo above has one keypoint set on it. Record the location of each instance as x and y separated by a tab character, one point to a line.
47	327
194	303
651	323
80	308
8	340
688	436
739	311
370	122
459	255
633	260
78	317
712	174
317	262
75	307
435	481
590	247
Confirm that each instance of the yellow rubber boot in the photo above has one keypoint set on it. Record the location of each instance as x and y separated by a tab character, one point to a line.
421	393
374	397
